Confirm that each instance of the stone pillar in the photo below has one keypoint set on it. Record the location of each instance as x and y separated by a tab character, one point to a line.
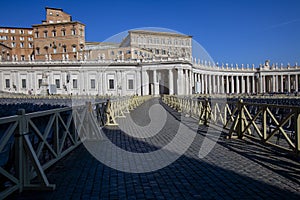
296	82
190	82
219	87
2	83
289	82
155	84
202	84
209	84
213	84
254	89
264	84
261	84
242	84
232	84
281	83
227	85
145	82
237	85
104	84
277	83
171	89
273	83
138	86
180	85
248	84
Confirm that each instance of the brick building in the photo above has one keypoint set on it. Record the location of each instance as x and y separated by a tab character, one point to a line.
20	40
5	52
58	37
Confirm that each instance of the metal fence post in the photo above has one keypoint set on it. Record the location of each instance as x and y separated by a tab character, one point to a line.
297	132
19	152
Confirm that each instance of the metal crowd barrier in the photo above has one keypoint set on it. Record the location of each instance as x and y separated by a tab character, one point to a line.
270	124
30	143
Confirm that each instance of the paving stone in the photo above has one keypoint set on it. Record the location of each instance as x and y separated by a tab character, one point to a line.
234	169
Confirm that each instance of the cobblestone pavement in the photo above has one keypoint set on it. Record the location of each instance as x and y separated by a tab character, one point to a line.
233	169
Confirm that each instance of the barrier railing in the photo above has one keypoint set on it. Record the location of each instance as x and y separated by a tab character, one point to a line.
30	143
276	125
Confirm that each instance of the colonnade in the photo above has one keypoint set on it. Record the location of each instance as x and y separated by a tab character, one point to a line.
179	78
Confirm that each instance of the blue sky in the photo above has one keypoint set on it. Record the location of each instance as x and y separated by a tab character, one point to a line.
232	31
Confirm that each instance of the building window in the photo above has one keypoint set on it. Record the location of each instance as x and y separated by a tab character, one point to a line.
45	34
156	51
7	83
12	31
30	39
74	48
63	32
130	84
3	37
30	45
37	51
93	83
112	53
30	32
36	34
23	83
73	31
120	52
21	31
54	33
22	44
13	38
22	57
22	38
57	83
164	52
64	49
54	50
111	84
13	44
40	82
75	83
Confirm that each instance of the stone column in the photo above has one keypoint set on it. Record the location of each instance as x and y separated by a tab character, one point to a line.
213	84
232	84
2	82
171	89
248	84
190	82
104	84
264	83
261	84
138	85
209	84
180	85
227	84
218	84
202	84
296	82
254	90
155	84
273	83
145	82
289	82
237	85
277	83
281	83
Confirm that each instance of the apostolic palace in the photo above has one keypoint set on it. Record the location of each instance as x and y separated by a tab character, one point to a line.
53	57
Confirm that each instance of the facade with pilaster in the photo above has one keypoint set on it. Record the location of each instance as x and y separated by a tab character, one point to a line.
149	77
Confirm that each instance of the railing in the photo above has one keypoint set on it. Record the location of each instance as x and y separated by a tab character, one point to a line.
276	125
31	143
